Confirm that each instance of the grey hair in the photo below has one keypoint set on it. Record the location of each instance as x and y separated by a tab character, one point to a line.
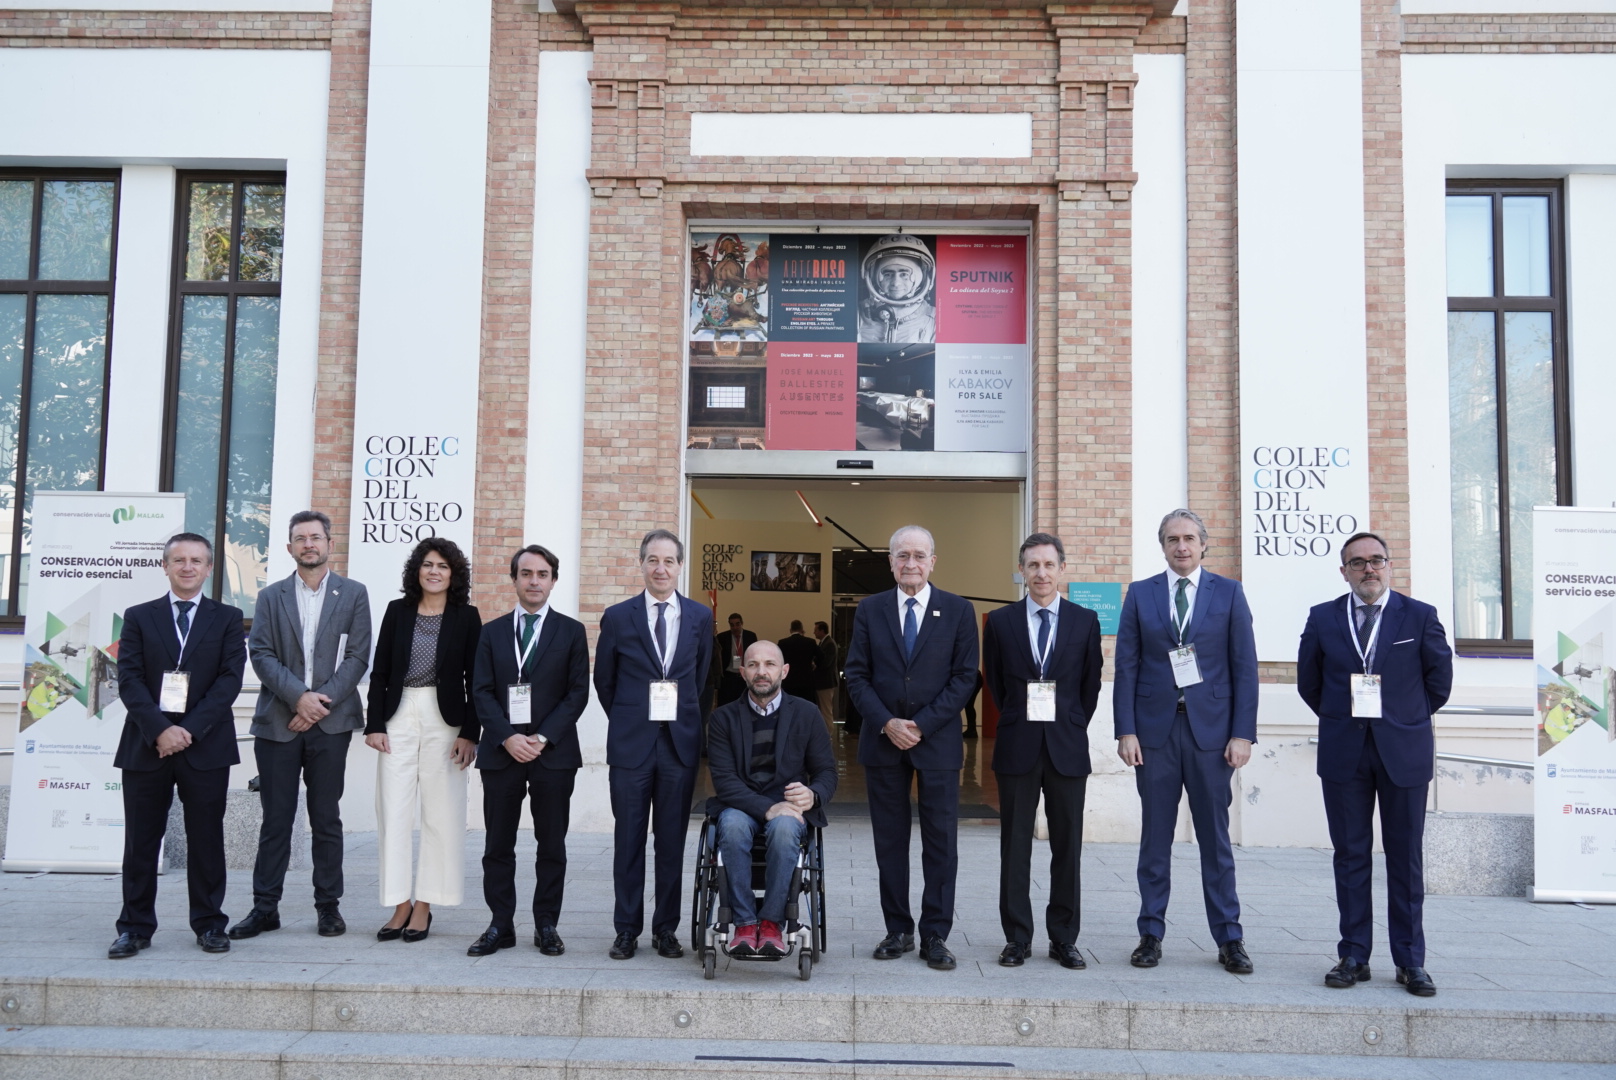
892	544
662	534
1187	515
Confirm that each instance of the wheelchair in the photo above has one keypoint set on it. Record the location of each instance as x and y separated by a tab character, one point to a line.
711	921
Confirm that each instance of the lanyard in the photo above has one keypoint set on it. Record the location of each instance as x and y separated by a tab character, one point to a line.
1189	607
1049	646
662	657
521	653
185	637
1352	632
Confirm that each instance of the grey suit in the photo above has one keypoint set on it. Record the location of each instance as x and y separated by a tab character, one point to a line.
319	756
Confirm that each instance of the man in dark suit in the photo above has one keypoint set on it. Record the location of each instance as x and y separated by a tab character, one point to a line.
1186	718
651	662
802	659
180	660
910	666
310	646
773	769
1374	665
529	686
825	683
1042	662
729	653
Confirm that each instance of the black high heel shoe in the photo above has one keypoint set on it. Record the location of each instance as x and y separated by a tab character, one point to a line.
393	933
418	935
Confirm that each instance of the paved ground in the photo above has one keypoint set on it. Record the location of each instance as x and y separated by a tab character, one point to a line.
1484	952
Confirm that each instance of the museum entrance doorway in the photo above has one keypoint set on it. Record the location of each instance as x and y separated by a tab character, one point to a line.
774	550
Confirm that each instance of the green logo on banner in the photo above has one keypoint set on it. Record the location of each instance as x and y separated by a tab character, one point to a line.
123	514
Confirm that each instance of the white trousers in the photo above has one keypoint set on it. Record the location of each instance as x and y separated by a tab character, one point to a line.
419	772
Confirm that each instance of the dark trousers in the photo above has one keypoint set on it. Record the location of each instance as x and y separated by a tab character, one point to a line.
322	762
1018	809
1180	766
654	796
504	792
147	797
1350	809
888	788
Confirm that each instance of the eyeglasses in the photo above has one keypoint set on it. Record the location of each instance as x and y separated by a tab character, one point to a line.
1378	562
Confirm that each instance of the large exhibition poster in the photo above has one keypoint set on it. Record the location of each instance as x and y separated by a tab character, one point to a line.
863	342
93	554
1573	636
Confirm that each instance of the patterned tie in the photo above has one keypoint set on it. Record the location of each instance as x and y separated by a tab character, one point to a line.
184	621
1043	641
1366	613
1181	604
662	635
528	622
911	628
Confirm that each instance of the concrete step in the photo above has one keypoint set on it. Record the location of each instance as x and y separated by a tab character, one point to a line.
1375	1021
84	1053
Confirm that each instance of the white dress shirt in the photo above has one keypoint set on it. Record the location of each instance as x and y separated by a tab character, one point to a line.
921	598
766	710
1190	593
670	621
1034	622
174	614
310	602
533	642
1359	613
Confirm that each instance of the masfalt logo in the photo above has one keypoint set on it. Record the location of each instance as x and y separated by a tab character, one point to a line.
122	514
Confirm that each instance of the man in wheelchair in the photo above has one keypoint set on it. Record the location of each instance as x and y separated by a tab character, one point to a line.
773	769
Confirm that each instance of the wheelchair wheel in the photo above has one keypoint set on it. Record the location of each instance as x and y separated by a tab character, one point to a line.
709	963
805	965
817	885
703	894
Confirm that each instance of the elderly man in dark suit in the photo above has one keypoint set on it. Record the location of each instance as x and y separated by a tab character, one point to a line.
180	661
773	769
651	663
310	645
1374	665
911	665
533	662
1186	718
1042	664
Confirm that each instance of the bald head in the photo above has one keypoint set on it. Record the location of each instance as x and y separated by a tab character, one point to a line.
764	668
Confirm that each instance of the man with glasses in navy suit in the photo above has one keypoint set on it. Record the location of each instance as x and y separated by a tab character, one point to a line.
1186	717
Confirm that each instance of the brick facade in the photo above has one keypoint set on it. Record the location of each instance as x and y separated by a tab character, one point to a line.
164	30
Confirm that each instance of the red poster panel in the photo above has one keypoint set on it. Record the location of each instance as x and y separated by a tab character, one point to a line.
811	396
982	290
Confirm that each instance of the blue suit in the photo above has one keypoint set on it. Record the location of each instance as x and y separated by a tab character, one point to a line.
1182	746
653	765
1389	760
929	688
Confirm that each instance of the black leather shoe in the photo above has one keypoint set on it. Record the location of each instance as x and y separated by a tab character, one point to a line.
1234	959
1015	954
409	936
623	946
331	924
1070	956
667	944
493	940
1416	981
213	941
127	945
894	945
257	922
393	933
1148	954
935	952
1346	974
548	941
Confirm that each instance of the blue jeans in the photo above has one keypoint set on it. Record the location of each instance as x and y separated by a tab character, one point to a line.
736	831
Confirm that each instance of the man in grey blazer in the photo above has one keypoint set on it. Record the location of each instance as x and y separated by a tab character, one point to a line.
310	645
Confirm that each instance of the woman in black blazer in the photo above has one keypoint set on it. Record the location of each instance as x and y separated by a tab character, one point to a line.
421	720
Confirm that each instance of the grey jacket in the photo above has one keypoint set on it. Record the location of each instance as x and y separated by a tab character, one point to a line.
276	648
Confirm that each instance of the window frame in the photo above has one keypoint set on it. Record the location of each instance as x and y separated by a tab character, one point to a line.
33	288
232	289
1515	643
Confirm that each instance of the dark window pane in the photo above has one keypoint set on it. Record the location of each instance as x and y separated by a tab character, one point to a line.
75	230
200	405
1529	425
252	448
16	227
1478	580
207	232
13	318
263	226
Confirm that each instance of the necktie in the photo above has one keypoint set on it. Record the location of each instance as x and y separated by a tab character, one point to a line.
662	635
1043	641
1181	604
1367	614
911	628
184	621
528	622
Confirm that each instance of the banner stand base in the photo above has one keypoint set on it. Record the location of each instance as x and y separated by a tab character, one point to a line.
1569	896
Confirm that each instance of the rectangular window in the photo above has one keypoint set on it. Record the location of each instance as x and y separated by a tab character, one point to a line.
1507	400
58	247
224	350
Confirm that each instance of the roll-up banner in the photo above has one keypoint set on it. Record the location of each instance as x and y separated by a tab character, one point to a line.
1573	638
92	554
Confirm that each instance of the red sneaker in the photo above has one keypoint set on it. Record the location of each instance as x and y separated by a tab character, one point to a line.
770	943
744	941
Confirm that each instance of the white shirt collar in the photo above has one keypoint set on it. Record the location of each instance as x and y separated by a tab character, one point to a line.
924	598
1034	607
651	602
766	710
1194	578
519	611
1380	601
320	588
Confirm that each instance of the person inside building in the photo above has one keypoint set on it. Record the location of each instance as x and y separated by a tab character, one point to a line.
421	723
802	658
826	682
729	652
773	769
